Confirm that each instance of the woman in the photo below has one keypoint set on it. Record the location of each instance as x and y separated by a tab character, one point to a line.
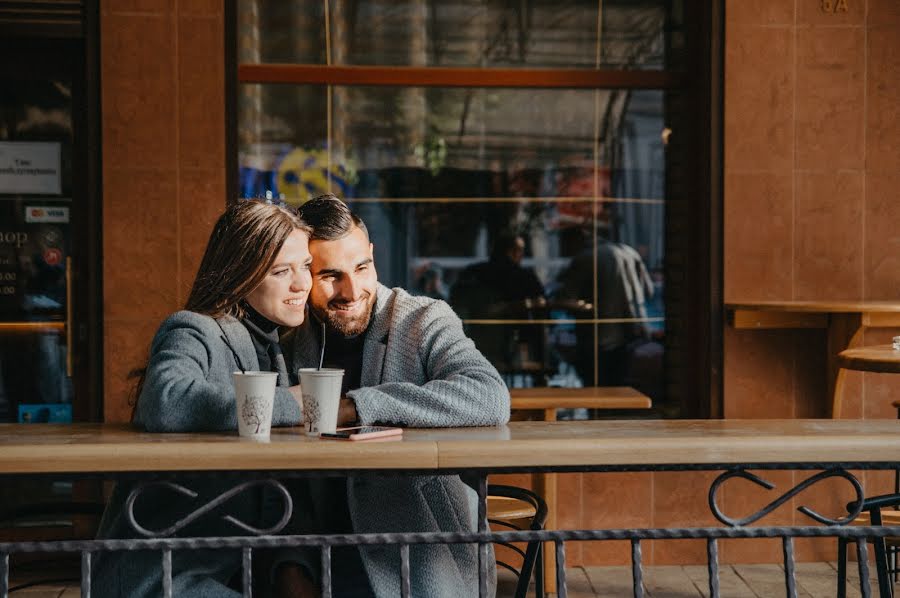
254	277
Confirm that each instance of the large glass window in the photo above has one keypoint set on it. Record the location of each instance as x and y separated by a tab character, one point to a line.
514	160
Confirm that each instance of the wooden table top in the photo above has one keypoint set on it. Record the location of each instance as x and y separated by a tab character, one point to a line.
878	358
86	448
120	447
594	397
818	306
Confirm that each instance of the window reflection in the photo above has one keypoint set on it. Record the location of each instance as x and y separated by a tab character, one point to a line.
538	214
636	34
502	144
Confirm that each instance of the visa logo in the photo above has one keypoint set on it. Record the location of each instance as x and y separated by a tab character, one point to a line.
46	214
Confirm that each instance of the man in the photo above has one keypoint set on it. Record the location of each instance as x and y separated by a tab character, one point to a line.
407	362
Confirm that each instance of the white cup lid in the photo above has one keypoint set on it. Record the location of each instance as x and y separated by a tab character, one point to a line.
255	373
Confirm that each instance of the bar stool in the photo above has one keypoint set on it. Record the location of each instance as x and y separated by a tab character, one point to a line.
878	513
883	509
517	508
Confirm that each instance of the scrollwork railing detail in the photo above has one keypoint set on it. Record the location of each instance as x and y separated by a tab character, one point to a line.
744	474
209	506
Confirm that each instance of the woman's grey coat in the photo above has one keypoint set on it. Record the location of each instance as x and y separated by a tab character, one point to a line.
420	370
188	388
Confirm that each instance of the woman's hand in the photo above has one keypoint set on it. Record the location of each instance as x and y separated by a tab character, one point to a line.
347	412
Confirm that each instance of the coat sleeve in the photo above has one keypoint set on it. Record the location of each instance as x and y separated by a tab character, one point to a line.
462	388
184	391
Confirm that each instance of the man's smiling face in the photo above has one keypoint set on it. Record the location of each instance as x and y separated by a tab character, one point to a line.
344	282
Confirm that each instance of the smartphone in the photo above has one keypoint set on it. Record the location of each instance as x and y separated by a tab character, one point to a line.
363	433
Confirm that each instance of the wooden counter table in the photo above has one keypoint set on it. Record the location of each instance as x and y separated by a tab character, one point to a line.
522	446
845	322
550	399
83	448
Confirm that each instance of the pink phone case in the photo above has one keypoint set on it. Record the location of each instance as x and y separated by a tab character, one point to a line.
373	432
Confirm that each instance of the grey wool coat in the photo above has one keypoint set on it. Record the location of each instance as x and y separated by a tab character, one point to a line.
188	388
419	370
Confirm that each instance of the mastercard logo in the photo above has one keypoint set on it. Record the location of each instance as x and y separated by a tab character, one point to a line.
52	256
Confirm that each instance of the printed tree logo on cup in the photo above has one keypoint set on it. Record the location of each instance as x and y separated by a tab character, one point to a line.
311	411
254	407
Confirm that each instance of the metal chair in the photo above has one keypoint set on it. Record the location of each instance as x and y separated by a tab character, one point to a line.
875	511
879	510
513	507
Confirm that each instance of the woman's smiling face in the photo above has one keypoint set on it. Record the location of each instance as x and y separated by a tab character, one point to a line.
281	296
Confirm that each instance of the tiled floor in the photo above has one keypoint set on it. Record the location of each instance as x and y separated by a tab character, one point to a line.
49	590
814	580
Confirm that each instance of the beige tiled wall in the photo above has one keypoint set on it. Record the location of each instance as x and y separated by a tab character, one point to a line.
812	118
163	168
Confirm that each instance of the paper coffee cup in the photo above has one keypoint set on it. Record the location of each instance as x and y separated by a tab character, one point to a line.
255	392
321	399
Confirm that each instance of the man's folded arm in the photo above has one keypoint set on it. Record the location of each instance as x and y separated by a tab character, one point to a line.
462	388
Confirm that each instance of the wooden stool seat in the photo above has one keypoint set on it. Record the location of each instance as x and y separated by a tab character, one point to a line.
514	507
888	517
502	508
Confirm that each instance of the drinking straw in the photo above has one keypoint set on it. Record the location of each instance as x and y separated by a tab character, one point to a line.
322	352
237	359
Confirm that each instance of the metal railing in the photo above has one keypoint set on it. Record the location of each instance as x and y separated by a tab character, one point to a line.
269	538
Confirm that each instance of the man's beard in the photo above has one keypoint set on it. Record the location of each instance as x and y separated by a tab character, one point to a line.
346	327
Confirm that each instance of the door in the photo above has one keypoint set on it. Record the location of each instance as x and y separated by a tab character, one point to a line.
49	265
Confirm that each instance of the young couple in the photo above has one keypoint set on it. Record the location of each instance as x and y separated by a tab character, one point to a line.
407	362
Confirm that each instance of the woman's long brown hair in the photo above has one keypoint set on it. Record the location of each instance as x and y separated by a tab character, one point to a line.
242	247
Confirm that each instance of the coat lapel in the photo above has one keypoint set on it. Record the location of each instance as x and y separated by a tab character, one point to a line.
238	338
375	346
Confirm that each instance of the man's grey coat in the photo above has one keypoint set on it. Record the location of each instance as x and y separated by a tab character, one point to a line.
419	370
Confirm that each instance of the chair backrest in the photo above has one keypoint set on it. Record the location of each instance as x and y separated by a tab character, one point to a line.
532	555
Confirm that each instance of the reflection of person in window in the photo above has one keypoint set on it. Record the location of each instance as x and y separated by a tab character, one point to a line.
623	287
430	283
494	287
502	288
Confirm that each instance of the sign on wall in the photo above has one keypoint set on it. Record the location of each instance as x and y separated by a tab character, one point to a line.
30	168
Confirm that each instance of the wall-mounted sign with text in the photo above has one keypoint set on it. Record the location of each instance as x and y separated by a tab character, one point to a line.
30	168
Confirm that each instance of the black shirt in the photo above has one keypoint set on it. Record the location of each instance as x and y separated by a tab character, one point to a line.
346	354
264	334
